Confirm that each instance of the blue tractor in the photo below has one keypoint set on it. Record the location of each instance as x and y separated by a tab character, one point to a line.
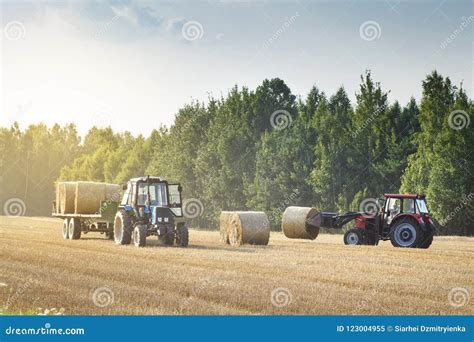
149	207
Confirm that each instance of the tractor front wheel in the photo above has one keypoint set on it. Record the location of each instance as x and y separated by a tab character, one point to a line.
139	235
353	237
167	235
406	233
122	228
182	234
74	229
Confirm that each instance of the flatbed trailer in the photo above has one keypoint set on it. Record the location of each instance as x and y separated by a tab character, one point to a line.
76	224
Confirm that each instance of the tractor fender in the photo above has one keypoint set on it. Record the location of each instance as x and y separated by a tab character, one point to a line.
415	217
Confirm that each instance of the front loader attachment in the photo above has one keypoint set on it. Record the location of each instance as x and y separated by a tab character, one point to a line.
331	220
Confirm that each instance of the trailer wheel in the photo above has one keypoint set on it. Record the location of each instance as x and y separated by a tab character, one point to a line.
353	237
406	233
122	228
109	235
427	240
74	229
66	229
139	235
182	234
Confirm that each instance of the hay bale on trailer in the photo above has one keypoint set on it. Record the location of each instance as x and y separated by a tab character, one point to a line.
65	197
90	195
295	225
249	227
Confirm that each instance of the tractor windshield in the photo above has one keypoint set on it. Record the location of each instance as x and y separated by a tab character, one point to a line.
422	206
157	194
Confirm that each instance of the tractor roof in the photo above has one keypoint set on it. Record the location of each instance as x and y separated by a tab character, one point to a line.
143	179
417	196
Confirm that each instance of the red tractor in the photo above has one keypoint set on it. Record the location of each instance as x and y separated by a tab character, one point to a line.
402	219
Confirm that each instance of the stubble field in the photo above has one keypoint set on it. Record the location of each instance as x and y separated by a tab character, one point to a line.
93	276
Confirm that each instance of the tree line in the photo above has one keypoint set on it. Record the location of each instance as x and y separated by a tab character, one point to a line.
266	149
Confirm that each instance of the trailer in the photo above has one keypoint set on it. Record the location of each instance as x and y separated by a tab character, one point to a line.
86	207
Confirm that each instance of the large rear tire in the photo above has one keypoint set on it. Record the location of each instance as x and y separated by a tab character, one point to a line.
139	235
122	228
182	234
74	229
66	229
406	233
353	237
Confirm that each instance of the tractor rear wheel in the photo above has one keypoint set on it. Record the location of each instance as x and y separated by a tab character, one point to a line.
406	233
122	228
74	229
182	234
353	237
427	240
139	235
66	229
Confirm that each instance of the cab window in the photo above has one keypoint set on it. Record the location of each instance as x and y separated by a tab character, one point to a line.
409	206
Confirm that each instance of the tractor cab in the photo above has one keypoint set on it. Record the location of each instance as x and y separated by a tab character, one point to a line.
148	197
397	205
149	207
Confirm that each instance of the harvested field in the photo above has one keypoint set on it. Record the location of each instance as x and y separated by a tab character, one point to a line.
94	276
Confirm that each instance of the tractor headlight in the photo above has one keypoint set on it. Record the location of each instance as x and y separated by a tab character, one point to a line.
166	219
160	219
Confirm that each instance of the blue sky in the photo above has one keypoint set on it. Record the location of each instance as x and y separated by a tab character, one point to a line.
133	64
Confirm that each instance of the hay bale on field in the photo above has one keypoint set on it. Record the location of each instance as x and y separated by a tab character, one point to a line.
224	226
65	197
90	195
294	223
249	227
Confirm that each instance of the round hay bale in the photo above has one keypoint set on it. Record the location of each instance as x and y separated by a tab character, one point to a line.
249	227
65	197
89	196
294	223
224	226
113	192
